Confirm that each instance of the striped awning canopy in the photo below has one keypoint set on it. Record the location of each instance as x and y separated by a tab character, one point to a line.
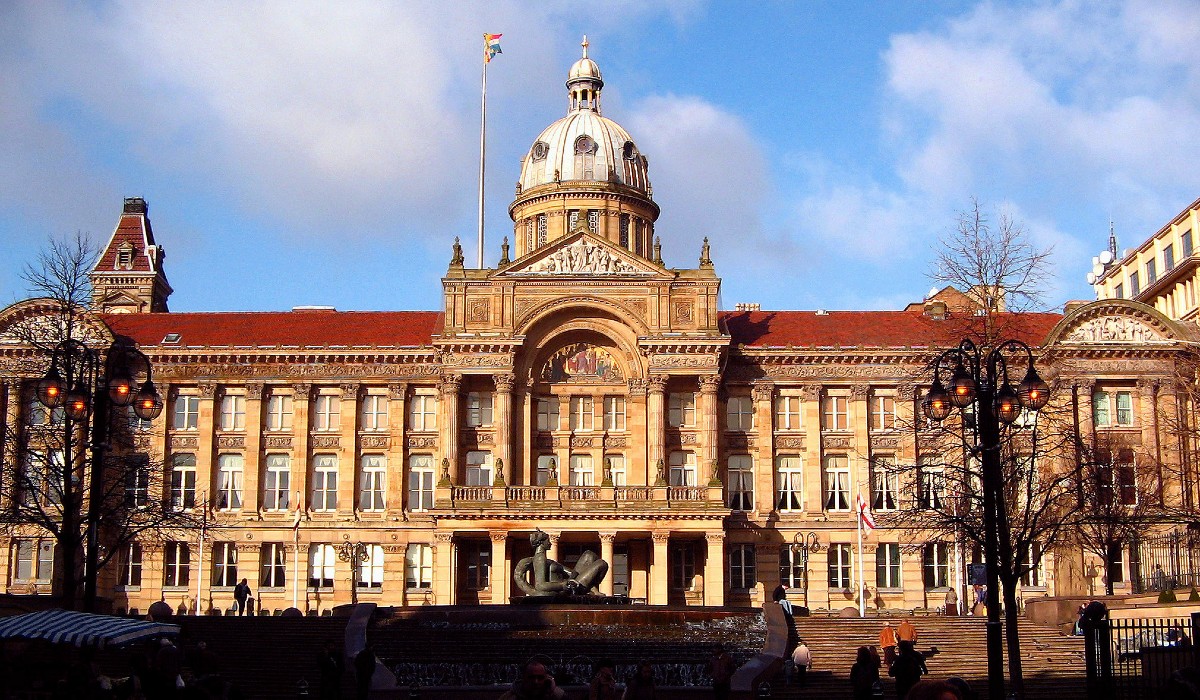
82	629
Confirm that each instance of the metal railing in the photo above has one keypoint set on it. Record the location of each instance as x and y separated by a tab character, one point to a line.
1134	658
1169	561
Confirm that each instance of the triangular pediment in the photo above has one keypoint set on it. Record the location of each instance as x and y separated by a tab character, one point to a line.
581	254
1116	322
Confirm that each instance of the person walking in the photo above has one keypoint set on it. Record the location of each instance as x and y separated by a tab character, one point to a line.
241	594
801	660
330	665
864	674
364	670
887	642
907	632
908	669
721	667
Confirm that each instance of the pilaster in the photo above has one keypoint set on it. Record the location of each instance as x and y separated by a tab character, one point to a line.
763	393
443	568
709	383
348	465
714	569
607	545
206	454
660	569
656	435
810	406
503	421
397	458
301	393
253	442
448	421
500	567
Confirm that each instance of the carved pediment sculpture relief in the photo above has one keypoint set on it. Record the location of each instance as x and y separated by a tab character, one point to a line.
583	257
1114	329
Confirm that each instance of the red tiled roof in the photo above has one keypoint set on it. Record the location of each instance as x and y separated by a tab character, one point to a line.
280	328
886	329
129	230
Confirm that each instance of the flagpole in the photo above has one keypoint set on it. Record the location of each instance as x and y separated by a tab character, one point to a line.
482	150
200	564
296	555
862	584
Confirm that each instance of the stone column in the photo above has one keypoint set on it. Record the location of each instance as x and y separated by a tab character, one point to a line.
714	569
607	540
1084	389
709	443
206	454
448	423
348	465
763	393
253	442
443	568
907	413
503	421
393	573
397	469
636	417
562	441
499	571
860	419
810	397
552	550
660	569
656	436
9	440
1147	420
300	438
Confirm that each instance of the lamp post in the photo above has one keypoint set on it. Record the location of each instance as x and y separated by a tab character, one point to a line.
357	554
805	544
981	380
85	385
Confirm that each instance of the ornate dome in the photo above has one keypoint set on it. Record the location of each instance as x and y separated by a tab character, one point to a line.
584	146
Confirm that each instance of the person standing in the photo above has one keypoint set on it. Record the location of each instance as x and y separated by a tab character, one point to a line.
535	683
241	594
604	683
721	666
887	642
864	674
641	686
331	666
364	670
801	660
908	669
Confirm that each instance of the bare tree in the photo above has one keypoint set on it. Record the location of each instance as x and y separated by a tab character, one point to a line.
49	461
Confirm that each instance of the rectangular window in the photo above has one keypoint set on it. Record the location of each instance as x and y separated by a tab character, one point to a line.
1169	257
322	562
743	569
739	413
885	484
418	566
741	482
327	413
420	482
541	230
547	413
933	484
1119	291
883	413
1125	472
581	470
229	481
614	413
616	467
581	413
837	483
137	481
839	565
683	566
682	409
1101	410
887	565
937	565
277	481
1151	271
479	409
682	468
187	413
273	562
1135	286
835	413
479	468
792	563
35	560
325	480
135	423
787	413
1124	408
546	467
375	413
370	572
422	412
1103	404
41	415
478	556
225	564
177	561
129	573
183	482
1030	559
1186	239
279	412
372	482
790	472
624	231
233	412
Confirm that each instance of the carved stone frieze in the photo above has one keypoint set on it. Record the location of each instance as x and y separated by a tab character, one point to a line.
661	537
498	536
316	370
889	373
523	306
582	257
395	548
639	307
482	359
579	441
689	439
325	442
422	442
1118	329
440	538
705	361
184	442
349	391
790	442
836	442
683	313
283	442
478	311
637	387
231	442
613	442
860	392
885	442
375	442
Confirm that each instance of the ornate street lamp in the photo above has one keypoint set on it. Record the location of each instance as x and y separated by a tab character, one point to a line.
357	554
806	544
85	384
982	381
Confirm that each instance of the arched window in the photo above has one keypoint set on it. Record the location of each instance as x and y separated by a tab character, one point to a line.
585	158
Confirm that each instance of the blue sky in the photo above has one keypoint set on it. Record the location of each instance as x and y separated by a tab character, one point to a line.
327	153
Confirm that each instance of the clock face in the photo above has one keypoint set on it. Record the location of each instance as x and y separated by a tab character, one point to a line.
540	149
585	144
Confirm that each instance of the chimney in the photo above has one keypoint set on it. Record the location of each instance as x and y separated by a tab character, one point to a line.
936	309
136	205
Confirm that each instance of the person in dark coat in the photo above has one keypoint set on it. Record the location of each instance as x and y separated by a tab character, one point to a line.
241	593
364	669
331	666
864	674
908	669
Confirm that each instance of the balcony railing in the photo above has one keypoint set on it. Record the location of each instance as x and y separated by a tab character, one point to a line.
621	498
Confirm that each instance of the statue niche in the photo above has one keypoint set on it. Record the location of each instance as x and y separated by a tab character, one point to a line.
581	362
540	576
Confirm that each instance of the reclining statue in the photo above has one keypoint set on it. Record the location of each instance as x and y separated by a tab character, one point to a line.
540	575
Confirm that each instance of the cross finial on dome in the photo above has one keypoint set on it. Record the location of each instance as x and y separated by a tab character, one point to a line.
584	44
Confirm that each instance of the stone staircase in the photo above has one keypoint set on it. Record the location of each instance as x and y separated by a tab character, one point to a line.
1052	663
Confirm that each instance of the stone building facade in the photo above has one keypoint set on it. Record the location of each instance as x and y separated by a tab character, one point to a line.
581	388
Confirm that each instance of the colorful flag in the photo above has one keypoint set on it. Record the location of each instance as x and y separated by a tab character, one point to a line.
491	46
864	513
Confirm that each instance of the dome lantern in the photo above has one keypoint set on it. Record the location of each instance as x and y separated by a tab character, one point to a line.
584	83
